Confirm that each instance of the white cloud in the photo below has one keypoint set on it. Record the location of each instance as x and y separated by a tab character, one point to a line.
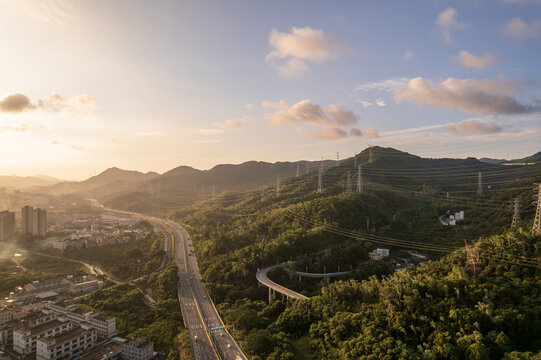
519	28
249	106
469	95
371	133
54	103
301	45
234	123
409	55
447	23
382	85
473	127
149	134
380	103
334	121
208	132
469	60
16	128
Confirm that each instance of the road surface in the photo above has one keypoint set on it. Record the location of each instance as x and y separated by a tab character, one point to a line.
264	279
198	304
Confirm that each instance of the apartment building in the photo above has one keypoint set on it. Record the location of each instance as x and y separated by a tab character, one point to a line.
137	349
71	344
25	338
104	325
7	224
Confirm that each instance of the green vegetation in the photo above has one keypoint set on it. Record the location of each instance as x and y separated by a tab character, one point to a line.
17	271
431	311
160	324
124	261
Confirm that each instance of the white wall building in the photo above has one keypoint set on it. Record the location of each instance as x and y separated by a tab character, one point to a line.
68	345
383	252
25	339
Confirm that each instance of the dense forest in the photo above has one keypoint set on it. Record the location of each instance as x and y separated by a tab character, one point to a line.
436	310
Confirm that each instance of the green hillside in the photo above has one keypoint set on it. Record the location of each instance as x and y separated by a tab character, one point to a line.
399	207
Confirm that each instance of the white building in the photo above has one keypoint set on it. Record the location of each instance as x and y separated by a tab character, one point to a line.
25	339
137	348
68	345
104	325
382	252
374	255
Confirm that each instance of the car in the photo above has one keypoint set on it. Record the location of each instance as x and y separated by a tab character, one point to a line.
196	338
229	346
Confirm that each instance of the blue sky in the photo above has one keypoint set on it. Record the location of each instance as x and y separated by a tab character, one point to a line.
150	86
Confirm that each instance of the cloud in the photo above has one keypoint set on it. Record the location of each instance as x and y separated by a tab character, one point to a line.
17	128
149	134
520	1
469	95
331	133
410	55
16	103
334	121
469	60
249	106
54	103
234	123
292	68
371	133
382	85
474	127
519	28
208	132
380	103
301	45
447	23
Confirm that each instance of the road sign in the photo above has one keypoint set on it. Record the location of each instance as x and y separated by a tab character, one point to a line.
217	328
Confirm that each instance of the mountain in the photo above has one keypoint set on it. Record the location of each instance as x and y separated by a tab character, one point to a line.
23	182
492	161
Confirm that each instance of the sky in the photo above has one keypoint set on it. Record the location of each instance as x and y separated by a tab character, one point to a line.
87	85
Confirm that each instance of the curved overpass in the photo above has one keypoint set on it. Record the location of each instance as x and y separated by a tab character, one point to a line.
274	287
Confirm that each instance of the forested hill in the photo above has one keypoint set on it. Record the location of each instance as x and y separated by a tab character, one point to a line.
399	206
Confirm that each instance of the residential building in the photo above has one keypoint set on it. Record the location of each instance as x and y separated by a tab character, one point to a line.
104	325
39	222
137	348
109	351
67	345
7	224
5	315
27	216
383	252
374	255
25	338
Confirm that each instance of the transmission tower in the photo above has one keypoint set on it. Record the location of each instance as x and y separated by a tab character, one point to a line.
472	258
307	167
337	155
480	184
319	182
370	155
348	183
516	213
355	160
298	170
536	229
359	180
277	185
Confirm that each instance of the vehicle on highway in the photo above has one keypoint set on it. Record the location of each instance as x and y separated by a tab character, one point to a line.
196	338
229	346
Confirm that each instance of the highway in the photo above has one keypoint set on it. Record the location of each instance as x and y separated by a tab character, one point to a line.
264	279
198	310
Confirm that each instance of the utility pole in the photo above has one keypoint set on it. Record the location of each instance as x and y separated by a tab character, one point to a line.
480	185
359	180
516	213
472	258
298	171
536	229
319	182
277	185
348	183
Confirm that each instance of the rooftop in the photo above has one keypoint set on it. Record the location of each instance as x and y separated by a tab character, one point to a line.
99	352
64	337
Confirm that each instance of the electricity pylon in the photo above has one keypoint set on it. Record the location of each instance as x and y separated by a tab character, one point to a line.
307	167
319	182
359	180
348	183
536	228
480	184
298	170
355	160
277	185
516	213
472	257
370	154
